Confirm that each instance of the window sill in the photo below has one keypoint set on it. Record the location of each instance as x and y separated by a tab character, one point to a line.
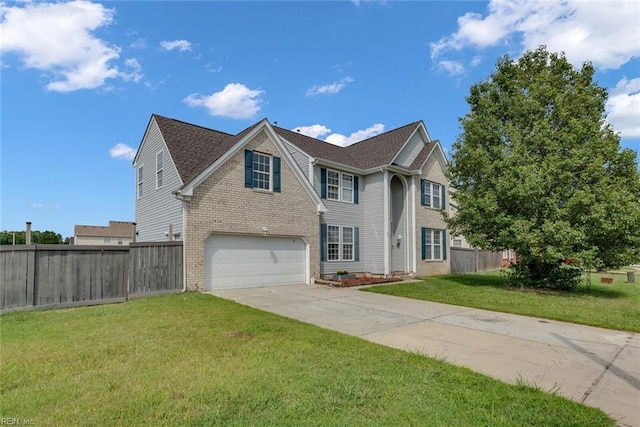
260	190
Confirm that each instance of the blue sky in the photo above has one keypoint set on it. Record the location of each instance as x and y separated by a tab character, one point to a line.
80	80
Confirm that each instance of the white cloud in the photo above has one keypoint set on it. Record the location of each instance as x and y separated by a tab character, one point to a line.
181	45
344	141
135	70
235	101
623	108
213	68
329	89
139	43
58	38
314	131
454	68
599	32
122	151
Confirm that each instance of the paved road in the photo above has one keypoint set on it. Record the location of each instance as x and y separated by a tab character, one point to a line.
595	366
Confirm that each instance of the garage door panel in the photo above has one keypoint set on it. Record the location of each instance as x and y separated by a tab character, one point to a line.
245	261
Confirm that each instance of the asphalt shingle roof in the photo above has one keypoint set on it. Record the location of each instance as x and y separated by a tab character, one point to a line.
193	148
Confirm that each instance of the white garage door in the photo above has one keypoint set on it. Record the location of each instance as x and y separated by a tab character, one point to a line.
233	261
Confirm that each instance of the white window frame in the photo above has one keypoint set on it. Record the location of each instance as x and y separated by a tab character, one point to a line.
431	245
339	244
268	174
140	178
345	188
333	243
333	189
456	243
159	168
336	190
430	197
344	244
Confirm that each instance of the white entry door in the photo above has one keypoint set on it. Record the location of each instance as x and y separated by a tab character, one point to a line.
235	261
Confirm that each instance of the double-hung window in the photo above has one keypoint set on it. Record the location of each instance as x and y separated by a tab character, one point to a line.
338	186
432	194
333	243
261	171
347	188
333	185
339	243
159	168
347	243
140	180
434	247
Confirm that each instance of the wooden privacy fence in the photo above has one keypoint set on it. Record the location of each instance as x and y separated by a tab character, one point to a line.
46	276
465	260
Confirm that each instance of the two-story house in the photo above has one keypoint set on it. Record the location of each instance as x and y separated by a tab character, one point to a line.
272	206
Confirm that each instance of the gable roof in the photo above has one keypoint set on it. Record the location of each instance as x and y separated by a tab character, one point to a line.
195	148
374	152
192	147
381	149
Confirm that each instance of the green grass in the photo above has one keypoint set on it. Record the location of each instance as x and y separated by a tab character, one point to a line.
194	359
614	306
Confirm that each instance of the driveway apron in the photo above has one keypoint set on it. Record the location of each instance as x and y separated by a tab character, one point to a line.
595	366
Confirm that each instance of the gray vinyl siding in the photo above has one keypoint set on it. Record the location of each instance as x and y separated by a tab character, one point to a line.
372	237
410	151
157	208
300	158
344	214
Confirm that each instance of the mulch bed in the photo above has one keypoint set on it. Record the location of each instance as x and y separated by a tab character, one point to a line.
359	281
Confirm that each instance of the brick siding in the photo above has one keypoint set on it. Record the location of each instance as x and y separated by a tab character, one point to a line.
222	204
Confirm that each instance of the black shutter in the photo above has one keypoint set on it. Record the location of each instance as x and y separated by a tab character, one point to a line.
445	243
323	183
356	243
276	174
248	168
323	242
355	190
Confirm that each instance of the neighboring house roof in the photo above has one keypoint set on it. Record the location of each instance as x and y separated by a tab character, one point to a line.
114	229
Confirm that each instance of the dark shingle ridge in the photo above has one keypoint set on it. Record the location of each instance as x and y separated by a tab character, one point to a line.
193	148
372	152
380	150
316	147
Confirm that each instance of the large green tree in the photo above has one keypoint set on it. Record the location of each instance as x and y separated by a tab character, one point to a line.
538	169
41	237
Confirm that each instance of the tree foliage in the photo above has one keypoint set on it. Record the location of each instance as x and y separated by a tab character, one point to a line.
42	237
538	169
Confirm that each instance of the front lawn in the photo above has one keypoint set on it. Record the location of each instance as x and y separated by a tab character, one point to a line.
613	306
194	359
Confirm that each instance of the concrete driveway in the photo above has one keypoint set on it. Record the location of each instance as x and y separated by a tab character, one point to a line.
594	366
